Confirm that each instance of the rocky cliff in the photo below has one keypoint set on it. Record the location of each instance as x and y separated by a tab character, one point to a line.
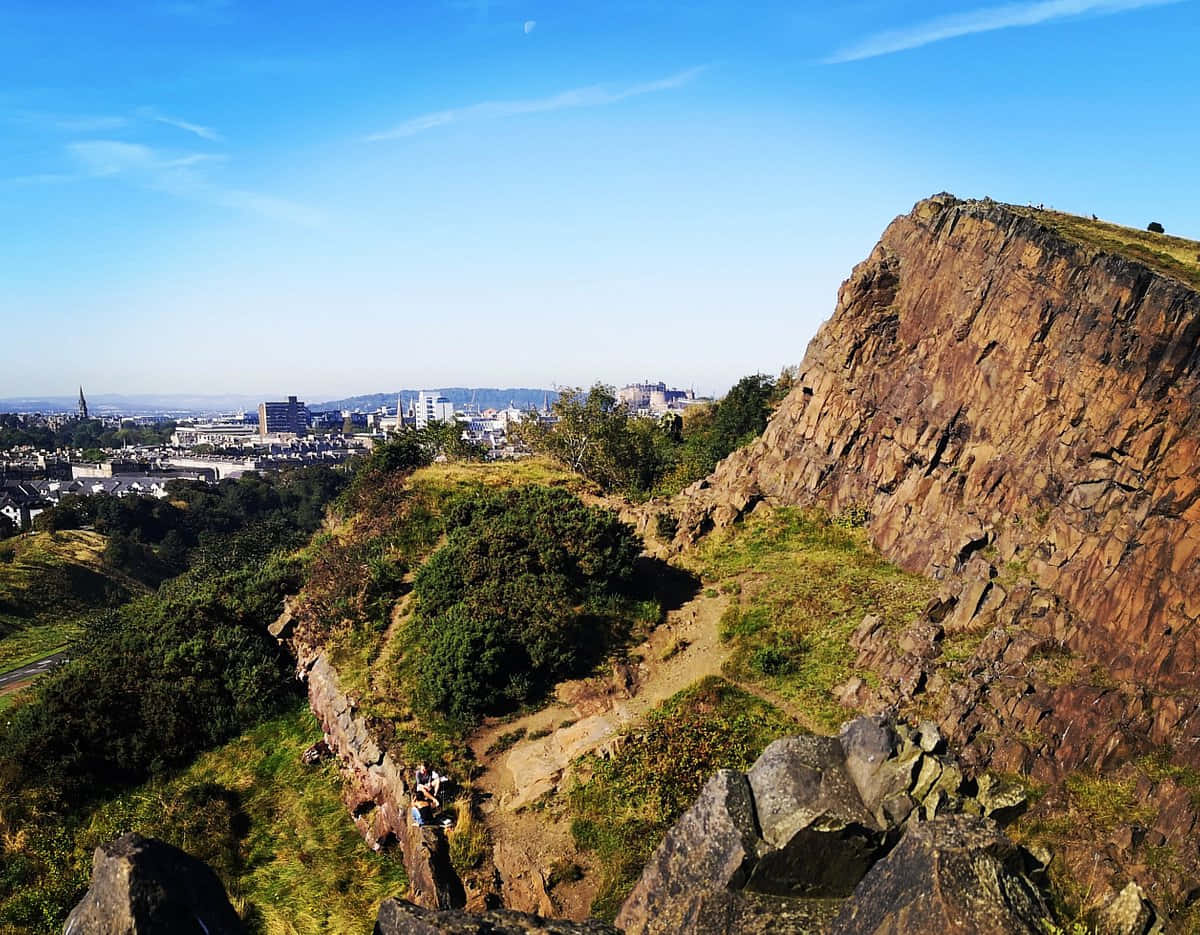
1014	413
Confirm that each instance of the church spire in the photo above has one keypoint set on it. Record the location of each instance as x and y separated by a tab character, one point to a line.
83	413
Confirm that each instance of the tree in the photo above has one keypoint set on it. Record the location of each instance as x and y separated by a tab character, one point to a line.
590	436
1155	228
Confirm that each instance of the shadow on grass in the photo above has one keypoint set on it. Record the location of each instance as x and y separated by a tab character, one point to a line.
658	580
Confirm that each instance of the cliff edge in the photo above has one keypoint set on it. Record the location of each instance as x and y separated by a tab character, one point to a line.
1012	410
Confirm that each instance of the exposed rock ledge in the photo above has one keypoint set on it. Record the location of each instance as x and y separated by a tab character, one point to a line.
1015	415
873	831
376	792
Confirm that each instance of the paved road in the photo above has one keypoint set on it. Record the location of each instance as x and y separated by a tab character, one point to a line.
33	670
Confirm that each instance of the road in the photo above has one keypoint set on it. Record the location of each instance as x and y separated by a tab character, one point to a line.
31	671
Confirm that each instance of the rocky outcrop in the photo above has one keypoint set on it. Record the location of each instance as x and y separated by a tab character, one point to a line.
955	876
397	917
432	882
141	886
376	793
780	847
1129	912
1015	415
984	382
375	790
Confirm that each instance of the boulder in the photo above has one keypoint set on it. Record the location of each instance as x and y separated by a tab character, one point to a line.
929	737
957	875
999	799
432	881
142	886
712	847
869	745
802	782
397	917
1128	912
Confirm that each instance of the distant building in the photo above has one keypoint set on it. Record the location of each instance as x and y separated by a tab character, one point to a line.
225	434
279	418
83	413
653	397
433	407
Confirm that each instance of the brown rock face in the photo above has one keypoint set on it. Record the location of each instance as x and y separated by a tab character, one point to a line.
983	381
1016	414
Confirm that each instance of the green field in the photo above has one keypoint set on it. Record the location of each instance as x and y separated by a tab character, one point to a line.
36	642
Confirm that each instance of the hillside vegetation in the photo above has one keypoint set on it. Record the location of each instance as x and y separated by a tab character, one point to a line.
465	589
801	582
1172	256
598	437
51	578
155	682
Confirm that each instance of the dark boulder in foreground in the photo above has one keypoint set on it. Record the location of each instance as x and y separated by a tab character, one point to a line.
397	917
859	833
957	875
141	886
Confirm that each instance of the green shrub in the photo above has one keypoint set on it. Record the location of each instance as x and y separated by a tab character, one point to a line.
771	660
1155	228
531	586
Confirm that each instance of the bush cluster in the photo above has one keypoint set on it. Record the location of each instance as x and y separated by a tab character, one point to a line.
152	683
526	590
599	438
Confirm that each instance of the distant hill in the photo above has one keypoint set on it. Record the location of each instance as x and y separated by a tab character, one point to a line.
147	404
487	397
184	404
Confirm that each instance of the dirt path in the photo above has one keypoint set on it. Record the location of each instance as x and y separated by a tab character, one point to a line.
587	715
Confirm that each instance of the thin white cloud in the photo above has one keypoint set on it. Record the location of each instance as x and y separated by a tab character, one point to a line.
530	26
70	123
181	175
205	133
987	19
594	96
90	124
98	158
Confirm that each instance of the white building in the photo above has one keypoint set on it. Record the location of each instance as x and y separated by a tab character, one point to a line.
433	407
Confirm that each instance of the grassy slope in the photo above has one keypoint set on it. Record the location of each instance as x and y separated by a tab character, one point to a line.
48	578
1176	257
276	830
802	583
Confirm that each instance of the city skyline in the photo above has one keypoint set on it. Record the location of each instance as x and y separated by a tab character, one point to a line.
208	192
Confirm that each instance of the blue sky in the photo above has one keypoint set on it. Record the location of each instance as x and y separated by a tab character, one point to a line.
269	197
